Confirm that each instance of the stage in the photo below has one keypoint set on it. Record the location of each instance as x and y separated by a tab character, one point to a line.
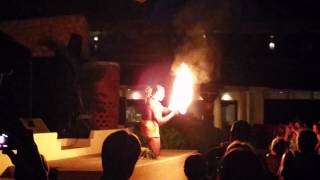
80	159
168	166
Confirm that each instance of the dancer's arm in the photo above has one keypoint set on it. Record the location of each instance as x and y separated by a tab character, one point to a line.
158	113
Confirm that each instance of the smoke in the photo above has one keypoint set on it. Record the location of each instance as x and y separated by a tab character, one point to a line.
197	46
195	52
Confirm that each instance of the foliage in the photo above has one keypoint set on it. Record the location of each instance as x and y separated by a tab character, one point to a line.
172	138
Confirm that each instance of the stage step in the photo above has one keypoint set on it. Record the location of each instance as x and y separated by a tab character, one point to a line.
70	143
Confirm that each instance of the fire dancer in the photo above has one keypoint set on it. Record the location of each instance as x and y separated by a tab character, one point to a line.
155	114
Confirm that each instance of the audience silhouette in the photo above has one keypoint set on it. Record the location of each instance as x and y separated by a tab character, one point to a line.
14	91
28	162
316	129
303	163
277	148
120	152
241	131
232	165
195	167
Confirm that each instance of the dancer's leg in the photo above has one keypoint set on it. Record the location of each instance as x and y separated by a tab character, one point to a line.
155	145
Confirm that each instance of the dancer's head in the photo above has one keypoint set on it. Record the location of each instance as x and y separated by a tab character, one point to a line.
157	92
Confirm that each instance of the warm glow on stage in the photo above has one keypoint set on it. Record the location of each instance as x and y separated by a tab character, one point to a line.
182	92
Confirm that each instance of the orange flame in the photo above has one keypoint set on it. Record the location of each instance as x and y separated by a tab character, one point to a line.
182	92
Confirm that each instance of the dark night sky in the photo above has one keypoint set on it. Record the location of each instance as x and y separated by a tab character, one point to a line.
259	10
296	60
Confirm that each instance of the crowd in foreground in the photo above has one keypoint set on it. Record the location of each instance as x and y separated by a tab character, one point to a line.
293	155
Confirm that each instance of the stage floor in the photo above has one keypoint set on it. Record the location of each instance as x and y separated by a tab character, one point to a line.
169	165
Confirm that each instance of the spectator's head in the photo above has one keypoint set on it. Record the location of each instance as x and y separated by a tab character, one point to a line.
195	167
278	146
297	125
241	164
120	152
307	141
239	145
316	127
240	130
